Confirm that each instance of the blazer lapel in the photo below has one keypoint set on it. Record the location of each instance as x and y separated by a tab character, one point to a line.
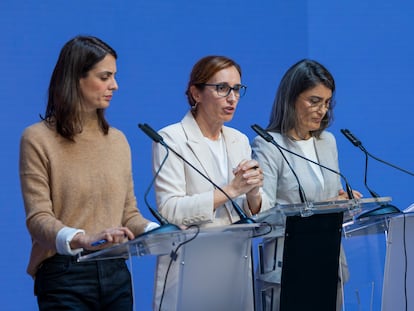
199	148
233	150
320	144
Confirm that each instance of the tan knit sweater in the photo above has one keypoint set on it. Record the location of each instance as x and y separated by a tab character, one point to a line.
86	184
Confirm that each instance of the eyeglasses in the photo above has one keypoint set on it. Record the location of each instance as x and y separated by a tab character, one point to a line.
316	103
223	89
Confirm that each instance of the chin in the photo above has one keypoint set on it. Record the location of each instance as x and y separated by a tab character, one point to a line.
228	118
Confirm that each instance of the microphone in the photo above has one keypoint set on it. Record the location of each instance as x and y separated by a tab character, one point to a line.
269	138
357	143
383	208
165	225
266	136
159	139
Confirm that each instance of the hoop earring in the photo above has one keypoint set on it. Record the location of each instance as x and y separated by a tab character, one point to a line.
194	107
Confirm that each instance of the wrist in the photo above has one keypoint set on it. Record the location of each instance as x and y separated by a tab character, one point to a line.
254	199
231	192
76	241
64	239
254	194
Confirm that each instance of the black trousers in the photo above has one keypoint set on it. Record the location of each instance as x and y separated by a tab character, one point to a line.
62	283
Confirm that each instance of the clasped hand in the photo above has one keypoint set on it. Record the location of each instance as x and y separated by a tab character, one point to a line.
248	178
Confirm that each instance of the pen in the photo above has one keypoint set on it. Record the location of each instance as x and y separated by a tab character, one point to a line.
236	169
100	242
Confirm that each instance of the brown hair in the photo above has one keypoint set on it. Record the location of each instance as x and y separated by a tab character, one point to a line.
302	76
204	69
77	57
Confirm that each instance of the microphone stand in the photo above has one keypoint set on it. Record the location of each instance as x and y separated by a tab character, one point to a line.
383	208
266	136
307	211
159	139
357	143
347	185
165	225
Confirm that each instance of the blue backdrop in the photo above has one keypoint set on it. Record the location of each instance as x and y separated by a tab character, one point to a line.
366	45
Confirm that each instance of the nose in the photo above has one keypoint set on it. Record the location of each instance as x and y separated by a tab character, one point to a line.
232	96
323	108
114	85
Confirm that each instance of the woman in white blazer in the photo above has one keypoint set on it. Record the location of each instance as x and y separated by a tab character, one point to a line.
223	154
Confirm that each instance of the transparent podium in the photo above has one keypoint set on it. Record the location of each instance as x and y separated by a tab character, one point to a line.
301	263
399	275
365	243
214	265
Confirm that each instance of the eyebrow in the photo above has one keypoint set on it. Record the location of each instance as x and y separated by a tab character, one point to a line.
106	72
319	97
226	83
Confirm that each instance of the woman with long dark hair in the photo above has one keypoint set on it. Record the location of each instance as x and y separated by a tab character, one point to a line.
302	111
77	186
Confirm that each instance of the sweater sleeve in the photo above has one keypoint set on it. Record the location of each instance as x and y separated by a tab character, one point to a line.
132	217
34	179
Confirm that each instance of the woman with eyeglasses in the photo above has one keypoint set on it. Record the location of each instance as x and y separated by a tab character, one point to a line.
301	112
222	153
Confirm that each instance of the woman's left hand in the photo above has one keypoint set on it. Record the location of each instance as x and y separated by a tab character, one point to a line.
250	176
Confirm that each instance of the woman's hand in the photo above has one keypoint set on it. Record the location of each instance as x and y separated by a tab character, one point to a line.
248	178
342	195
106	238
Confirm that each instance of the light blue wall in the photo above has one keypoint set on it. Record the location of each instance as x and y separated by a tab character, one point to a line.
366	46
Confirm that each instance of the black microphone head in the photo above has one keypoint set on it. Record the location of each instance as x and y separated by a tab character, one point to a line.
159	139
355	141
266	136
151	132
262	133
165	226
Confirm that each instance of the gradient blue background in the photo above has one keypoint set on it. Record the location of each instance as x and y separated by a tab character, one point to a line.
366	45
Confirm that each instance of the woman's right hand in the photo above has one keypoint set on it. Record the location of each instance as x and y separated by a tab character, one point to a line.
248	178
108	237
342	195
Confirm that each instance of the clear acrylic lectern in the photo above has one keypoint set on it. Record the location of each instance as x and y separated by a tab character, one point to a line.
365	242
399	275
215	267
298	262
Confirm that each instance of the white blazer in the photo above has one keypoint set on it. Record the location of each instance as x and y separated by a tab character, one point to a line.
185	197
